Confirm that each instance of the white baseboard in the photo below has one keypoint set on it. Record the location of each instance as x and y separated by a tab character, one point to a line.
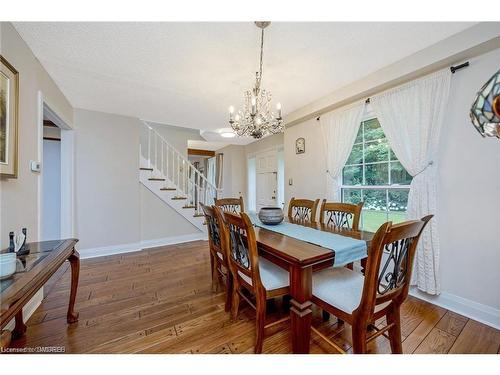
138	246
482	313
146	244
28	309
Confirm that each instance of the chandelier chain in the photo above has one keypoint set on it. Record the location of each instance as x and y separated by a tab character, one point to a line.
261	55
257	119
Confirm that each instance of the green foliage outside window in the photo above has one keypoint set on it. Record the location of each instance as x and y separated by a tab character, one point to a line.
373	163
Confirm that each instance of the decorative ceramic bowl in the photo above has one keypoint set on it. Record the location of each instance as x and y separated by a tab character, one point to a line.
271	215
7	265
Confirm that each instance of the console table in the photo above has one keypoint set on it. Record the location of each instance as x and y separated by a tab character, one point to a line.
33	271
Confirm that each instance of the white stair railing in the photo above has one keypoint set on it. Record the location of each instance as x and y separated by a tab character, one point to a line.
172	165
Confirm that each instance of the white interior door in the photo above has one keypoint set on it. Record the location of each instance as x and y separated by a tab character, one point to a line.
267	179
267	185
51	199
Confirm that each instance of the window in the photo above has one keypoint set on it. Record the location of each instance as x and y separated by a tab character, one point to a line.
374	175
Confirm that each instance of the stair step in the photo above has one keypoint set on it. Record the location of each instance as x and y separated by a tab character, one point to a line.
178	198
188	206
156	179
198	215
146	169
168	189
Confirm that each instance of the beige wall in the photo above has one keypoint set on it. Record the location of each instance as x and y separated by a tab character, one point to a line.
177	136
267	143
306	170
468	193
158	220
19	197
112	207
234	171
235	164
106	179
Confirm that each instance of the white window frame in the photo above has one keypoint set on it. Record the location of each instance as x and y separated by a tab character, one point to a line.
370	116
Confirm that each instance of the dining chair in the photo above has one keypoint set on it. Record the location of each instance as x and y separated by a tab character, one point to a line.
340	215
218	256
303	210
233	205
360	300
262	278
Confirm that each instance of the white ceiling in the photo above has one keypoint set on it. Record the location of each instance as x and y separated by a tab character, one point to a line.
202	145
187	74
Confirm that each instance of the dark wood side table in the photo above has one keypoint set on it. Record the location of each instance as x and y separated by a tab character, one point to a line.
33	271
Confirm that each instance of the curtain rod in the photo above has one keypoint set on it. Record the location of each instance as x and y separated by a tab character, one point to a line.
367	101
453	69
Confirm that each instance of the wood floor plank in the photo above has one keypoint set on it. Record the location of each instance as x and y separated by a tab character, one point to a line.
428	321
452	323
161	301
477	338
436	342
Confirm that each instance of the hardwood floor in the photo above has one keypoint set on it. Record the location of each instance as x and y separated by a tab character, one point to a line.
160	301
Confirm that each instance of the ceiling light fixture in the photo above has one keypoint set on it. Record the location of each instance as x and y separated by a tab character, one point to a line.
256	119
227	133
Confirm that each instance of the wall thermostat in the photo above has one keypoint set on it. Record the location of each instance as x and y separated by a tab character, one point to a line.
35	166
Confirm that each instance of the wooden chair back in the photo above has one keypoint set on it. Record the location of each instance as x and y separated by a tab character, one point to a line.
340	215
214	235
303	210
233	205
238	238
389	280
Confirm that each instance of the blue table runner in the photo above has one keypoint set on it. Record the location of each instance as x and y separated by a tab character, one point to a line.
347	249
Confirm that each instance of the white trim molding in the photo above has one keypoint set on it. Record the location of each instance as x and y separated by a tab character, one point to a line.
471	309
138	246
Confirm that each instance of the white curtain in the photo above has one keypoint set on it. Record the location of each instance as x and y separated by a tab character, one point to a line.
411	117
339	130
211	170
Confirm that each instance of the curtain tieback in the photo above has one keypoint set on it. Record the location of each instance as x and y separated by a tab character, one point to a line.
424	168
329	174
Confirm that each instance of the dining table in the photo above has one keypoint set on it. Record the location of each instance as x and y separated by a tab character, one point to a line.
302	258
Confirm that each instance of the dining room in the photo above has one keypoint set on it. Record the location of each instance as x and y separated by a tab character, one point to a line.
323	190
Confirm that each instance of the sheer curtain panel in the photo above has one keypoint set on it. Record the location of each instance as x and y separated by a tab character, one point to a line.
339	129
411	116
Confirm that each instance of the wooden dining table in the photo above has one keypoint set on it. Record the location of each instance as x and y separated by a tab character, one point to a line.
301	259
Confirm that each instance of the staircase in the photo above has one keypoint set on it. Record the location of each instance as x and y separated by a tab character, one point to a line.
171	177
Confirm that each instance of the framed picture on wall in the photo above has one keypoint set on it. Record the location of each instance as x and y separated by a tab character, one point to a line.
300	146
9	104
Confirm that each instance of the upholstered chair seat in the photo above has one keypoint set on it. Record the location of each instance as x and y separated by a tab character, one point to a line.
340	287
271	276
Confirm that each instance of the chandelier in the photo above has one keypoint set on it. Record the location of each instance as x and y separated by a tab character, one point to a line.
257	119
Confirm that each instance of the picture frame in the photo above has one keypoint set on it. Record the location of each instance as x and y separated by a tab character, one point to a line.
300	146
9	119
